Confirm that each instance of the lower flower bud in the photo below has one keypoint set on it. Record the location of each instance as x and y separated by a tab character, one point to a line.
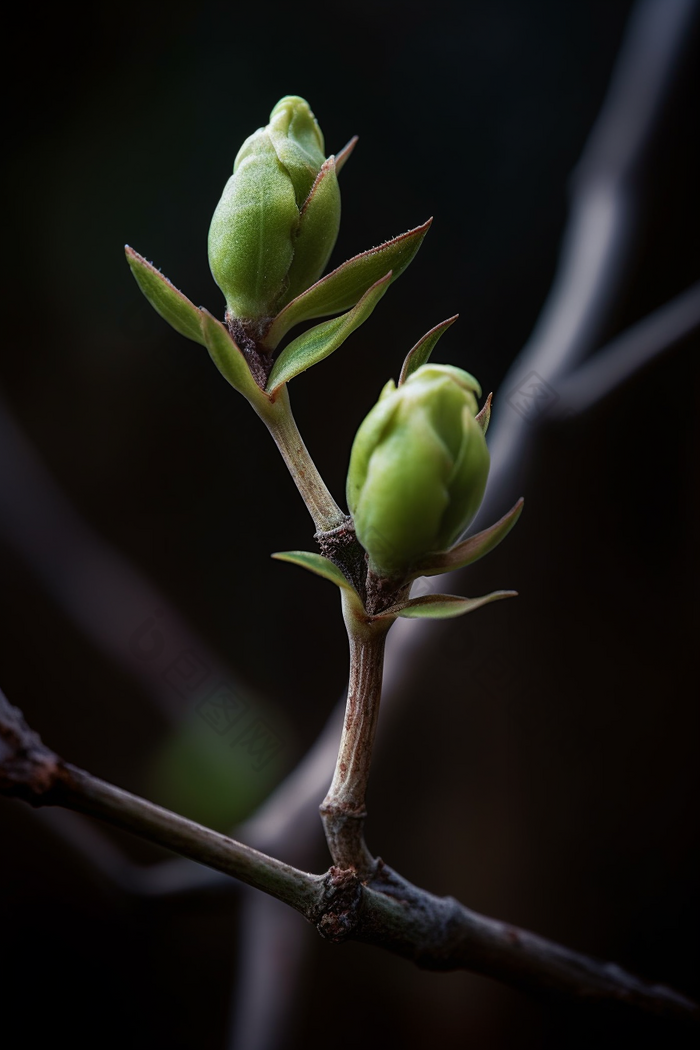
418	468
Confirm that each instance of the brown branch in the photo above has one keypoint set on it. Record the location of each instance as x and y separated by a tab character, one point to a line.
436	933
441	934
31	771
343	809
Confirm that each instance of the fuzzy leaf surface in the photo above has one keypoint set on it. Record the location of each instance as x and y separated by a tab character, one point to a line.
344	154
315	563
342	288
441	606
171	304
421	352
471	549
484	417
321	340
318	230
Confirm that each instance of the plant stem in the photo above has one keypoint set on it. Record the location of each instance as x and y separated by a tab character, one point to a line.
285	433
30	770
88	794
343	809
438	933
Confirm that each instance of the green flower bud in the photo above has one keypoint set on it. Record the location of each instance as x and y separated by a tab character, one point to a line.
418	468
277	221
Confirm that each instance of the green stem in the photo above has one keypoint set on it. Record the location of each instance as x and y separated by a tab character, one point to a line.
322	507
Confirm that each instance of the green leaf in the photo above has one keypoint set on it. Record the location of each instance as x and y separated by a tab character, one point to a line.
470	550
484	417
441	606
423	349
230	361
318	231
315	563
343	287
311	347
165	299
343	156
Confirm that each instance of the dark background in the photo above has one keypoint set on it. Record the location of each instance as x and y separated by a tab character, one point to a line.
543	768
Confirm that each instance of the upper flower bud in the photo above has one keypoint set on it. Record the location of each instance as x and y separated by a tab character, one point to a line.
277	221
418	468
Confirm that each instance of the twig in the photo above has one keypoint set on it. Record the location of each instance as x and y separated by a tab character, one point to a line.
343	809
435	933
322	507
31	771
442	934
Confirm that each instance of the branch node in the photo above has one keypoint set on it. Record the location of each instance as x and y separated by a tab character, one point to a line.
341	546
28	769
338	912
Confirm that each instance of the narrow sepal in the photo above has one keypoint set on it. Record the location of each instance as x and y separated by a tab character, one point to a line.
344	154
470	550
344	286
321	340
441	606
421	352
318	231
315	563
172	305
230	361
484	417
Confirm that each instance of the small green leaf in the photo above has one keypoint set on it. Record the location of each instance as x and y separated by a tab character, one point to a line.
441	606
316	344
423	349
230	361
484	417
342	288
344	154
165	299
318	230
470	550
315	563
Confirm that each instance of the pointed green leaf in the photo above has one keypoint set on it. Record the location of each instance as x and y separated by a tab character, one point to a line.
318	231
230	361
311	347
315	563
344	154
470	550
343	287
484	417
441	606
165	299
423	349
